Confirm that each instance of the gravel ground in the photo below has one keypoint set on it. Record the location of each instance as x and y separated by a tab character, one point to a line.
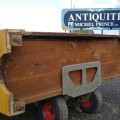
111	104
109	111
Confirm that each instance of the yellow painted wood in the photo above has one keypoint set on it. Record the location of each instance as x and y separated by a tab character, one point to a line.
5	96
79	31
7	103
3	43
5	100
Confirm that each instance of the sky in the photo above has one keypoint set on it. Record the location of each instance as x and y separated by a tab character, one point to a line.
42	15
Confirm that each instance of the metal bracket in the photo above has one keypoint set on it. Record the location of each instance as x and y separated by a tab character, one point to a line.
15	36
17	107
16	40
9	38
8	105
68	86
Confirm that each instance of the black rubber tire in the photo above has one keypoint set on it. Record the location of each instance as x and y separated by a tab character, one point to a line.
59	105
96	105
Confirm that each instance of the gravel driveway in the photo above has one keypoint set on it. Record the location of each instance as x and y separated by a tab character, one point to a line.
111	104
110	109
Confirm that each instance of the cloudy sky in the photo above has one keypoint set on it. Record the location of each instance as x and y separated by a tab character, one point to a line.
42	15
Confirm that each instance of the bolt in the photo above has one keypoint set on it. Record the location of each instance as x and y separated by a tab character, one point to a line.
20	108
17	40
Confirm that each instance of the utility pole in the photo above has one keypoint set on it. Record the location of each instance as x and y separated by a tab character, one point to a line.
71	4
71	8
102	32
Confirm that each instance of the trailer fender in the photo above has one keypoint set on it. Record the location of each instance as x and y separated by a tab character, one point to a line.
72	90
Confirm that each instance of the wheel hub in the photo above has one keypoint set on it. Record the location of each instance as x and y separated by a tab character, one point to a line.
49	111
88	103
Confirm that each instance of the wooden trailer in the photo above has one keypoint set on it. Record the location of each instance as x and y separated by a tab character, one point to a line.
50	68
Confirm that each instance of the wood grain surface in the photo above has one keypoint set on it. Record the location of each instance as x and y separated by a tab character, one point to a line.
34	71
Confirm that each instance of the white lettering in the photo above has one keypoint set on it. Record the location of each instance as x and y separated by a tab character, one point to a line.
90	16
102	16
84	24
77	24
101	24
71	18
118	16
113	16
95	17
108	16
85	16
78	17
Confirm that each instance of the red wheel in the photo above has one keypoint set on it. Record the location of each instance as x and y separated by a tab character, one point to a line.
49	111
92	105
87	103
53	109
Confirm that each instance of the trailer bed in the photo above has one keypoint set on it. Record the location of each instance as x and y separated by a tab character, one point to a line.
33	71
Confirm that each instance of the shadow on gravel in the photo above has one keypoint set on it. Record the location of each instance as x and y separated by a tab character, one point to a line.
108	112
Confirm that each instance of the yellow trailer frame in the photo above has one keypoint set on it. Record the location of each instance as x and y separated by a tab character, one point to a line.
3	43
8	105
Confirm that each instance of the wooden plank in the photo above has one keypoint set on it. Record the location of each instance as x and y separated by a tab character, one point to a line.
34	70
